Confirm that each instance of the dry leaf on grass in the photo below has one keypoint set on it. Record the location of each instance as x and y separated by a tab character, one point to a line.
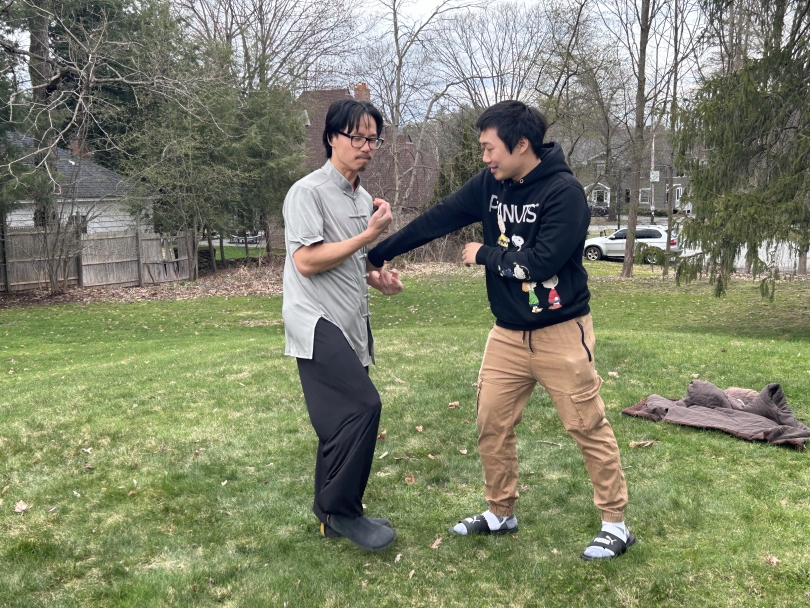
436	543
431	456
523	487
383	455
131	493
613	374
224	482
696	376
381	436
453	405
20	507
398	380
88	466
772	560
5	490
410	479
419	428
643	444
398	557
464	452
410	574
76	494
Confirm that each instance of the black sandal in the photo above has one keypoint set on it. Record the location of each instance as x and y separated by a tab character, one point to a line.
610	542
477	524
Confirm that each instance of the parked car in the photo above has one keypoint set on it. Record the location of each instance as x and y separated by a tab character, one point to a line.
240	239
598	211
612	246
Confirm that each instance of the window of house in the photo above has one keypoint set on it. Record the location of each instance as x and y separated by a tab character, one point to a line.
598	197
600	168
678	193
644	196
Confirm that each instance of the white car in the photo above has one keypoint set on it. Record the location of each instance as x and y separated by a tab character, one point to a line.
613	246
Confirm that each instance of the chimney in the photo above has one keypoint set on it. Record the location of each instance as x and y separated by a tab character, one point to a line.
79	149
361	92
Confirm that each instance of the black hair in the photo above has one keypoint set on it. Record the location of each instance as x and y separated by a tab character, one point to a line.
345	115
513	120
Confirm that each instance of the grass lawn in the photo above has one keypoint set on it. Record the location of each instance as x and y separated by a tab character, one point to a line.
237	252
165	456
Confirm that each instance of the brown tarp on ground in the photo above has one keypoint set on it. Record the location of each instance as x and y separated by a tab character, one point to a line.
744	413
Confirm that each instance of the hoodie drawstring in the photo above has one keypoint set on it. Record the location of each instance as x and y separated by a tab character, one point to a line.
523	340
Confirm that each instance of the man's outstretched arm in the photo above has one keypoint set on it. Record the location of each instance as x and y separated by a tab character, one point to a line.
456	211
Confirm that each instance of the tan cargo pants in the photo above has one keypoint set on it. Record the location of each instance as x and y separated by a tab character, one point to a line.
560	358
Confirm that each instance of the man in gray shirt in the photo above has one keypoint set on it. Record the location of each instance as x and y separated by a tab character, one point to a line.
330	220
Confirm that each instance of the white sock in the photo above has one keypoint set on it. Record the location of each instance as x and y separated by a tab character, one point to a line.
494	522
616	529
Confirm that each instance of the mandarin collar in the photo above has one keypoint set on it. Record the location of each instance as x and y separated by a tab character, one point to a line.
339	179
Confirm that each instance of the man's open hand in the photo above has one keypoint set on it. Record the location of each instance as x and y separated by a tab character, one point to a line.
385	282
469	253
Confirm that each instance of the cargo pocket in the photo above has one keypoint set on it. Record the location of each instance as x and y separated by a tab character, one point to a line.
589	406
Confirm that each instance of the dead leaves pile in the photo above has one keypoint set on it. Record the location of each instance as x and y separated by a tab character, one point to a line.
265	280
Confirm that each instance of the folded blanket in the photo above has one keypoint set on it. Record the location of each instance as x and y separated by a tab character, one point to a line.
744	413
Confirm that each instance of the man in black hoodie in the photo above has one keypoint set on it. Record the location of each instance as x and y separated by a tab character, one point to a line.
535	219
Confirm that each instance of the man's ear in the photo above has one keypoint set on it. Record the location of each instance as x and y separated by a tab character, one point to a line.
521	146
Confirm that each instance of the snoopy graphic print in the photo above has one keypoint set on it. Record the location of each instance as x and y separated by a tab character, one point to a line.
503	240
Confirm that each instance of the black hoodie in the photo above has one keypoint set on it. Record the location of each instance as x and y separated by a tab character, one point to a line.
534	233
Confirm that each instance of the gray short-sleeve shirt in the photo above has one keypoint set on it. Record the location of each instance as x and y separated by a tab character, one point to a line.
324	207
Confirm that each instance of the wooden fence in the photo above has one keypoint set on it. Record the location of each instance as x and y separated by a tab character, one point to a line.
122	259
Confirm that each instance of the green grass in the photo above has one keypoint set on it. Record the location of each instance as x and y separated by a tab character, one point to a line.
168	401
237	252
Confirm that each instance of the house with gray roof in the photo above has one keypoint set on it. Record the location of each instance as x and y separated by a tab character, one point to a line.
97	199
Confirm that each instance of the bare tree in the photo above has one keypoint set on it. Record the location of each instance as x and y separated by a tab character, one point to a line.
278	42
639	31
401	72
65	101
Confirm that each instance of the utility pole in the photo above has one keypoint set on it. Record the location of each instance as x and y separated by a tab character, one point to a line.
652	181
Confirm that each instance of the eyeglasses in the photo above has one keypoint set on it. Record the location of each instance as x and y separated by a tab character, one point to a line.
358	141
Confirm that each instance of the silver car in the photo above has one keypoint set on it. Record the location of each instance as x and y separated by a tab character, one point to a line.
613	246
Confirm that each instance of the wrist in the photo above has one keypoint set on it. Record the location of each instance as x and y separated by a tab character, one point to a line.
368	236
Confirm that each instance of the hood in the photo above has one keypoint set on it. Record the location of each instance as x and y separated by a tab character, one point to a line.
552	160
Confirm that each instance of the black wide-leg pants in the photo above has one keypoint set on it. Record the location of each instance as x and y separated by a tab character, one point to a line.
344	408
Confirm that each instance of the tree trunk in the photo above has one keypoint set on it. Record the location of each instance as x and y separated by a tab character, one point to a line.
673	117
267	244
247	251
802	269
212	253
222	250
638	140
